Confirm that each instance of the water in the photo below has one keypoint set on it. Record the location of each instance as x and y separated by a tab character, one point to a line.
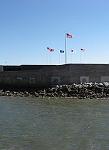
49	124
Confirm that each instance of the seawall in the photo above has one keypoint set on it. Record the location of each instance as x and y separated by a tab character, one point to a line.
40	76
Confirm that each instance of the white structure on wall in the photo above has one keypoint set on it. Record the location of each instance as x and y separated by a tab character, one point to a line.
84	79
1	68
104	78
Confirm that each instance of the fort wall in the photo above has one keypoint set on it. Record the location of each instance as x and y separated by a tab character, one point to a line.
35	76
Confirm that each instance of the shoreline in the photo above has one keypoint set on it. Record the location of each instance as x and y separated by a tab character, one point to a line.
74	91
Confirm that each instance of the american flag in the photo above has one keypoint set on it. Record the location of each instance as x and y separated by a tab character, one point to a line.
50	49
69	35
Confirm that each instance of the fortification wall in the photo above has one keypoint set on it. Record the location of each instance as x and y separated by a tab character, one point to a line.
44	75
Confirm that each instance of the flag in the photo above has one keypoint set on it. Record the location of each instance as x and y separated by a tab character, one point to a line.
82	49
69	35
50	49
61	51
72	50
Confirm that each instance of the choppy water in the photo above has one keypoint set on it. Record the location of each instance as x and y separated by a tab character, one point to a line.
33	124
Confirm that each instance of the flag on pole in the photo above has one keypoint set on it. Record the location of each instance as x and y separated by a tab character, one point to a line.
82	49
61	51
72	50
50	49
69	35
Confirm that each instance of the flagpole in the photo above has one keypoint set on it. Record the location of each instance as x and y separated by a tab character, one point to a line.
65	49
59	59
80	57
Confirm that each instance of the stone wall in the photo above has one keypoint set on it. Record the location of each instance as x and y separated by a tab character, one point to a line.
50	75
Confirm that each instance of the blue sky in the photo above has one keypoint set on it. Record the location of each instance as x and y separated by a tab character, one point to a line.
27	27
